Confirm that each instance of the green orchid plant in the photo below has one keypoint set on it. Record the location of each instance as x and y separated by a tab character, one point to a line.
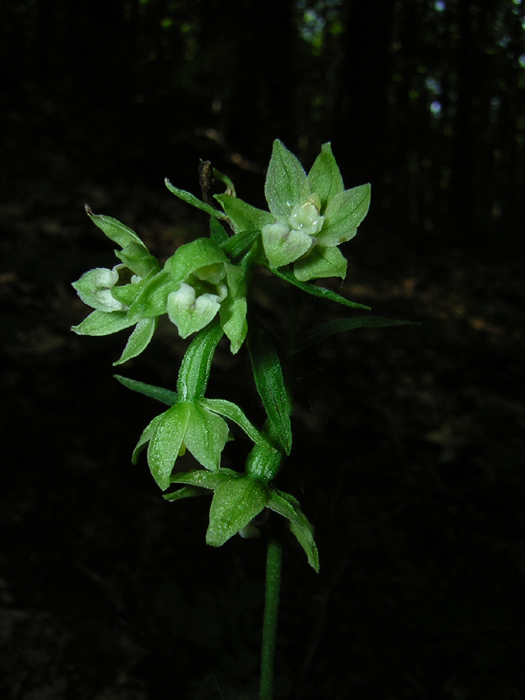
205	289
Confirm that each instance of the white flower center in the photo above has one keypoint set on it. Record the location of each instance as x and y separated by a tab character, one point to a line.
103	282
306	217
186	298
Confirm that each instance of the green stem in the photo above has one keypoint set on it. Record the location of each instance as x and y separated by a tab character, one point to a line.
271	611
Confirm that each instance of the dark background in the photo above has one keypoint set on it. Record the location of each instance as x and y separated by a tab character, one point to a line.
408	442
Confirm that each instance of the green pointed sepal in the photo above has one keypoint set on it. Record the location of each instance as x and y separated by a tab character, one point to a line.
237	500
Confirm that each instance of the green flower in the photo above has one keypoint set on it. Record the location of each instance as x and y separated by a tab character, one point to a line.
313	214
113	294
207	284
239	501
192	421
94	288
187	425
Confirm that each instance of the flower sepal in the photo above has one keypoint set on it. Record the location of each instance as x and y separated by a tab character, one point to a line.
242	215
185	426
238	500
137	258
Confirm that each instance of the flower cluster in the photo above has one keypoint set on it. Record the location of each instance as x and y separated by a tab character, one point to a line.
202	288
196	283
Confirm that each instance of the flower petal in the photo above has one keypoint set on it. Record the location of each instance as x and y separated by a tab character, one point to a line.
282	245
322	262
189	312
286	182
191	256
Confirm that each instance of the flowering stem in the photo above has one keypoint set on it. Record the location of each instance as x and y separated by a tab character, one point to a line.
271	611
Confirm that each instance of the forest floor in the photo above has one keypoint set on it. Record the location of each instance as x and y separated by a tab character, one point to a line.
408	457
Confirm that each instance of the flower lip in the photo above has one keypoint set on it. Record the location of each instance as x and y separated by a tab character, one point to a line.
305	217
185	296
94	288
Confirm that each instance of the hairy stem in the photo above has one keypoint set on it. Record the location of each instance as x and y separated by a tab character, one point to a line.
271	611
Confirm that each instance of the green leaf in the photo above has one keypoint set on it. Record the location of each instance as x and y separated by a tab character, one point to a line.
217	232
114	230
316	291
325	177
196	364
242	215
237	246
322	262
286	183
235	503
290	508
234	413
269	380
102	323
192	199
155	392
343	215
138	340
318	333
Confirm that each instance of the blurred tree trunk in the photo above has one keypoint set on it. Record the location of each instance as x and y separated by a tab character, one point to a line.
15	46
45	40
461	200
94	36
361	110
261	103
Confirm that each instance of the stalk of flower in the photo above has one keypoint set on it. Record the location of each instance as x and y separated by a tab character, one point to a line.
203	290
